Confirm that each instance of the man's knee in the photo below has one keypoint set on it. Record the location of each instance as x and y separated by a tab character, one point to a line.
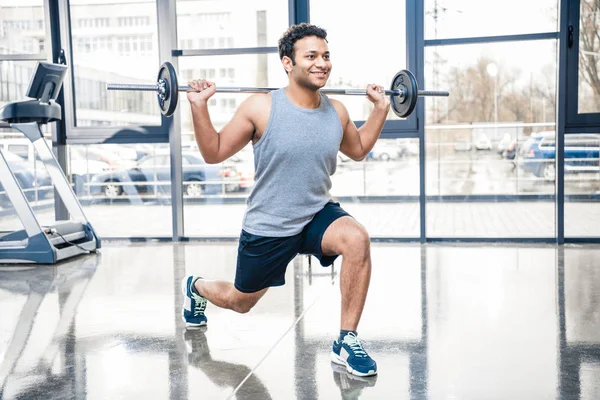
243	307
244	302
356	240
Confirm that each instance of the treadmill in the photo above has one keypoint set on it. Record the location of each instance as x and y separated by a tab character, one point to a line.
61	239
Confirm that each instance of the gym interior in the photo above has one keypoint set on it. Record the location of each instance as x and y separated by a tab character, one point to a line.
482	207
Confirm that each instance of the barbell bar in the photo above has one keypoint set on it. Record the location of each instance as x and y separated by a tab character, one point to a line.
187	88
403	93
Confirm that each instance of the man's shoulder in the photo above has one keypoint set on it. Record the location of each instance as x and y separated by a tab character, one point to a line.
257	104
339	107
259	100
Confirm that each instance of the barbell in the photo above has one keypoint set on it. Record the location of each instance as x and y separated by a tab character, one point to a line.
403	94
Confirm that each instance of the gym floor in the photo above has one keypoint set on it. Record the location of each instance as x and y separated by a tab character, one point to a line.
442	322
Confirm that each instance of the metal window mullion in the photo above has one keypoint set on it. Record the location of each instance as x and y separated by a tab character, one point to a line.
68	83
53	32
491	39
299	11
561	121
167	41
24	57
415	56
120	135
223	52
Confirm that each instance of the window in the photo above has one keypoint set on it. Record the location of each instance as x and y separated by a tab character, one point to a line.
490	145
456	19
22	150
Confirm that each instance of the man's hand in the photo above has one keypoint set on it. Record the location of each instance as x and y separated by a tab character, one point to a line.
377	96
203	90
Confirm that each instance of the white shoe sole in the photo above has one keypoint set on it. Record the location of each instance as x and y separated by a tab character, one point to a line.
188	325
340	361
193	326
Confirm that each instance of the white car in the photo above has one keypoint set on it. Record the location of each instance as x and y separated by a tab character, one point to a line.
483	143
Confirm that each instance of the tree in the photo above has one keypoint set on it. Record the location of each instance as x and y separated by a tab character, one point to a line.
472	92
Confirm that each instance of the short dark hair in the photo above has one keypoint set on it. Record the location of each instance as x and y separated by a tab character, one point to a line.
295	33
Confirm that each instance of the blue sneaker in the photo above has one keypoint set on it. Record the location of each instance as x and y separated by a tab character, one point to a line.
350	353
193	304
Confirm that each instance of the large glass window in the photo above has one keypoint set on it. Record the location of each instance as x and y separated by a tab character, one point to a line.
582	182
22	27
216	194
114	43
239	70
19	152
389	177
32	177
14	80
358	60
465	18
226	24
120	186
485	177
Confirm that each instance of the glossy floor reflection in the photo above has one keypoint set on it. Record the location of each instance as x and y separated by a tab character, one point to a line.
443	322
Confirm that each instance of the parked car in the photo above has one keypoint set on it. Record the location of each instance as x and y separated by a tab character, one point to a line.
482	142
30	180
582	154
153	174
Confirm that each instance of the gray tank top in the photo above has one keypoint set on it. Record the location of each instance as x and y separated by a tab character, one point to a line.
293	162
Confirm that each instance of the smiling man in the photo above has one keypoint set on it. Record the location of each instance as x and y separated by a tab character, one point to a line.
296	133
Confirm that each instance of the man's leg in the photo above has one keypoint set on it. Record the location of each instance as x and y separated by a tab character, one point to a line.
262	262
198	292
346	237
224	294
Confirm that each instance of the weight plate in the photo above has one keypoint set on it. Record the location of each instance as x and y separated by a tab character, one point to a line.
403	106
168	101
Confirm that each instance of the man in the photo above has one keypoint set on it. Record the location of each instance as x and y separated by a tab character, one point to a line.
296	133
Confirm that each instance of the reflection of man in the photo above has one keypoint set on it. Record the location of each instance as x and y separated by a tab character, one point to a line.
221	373
351	386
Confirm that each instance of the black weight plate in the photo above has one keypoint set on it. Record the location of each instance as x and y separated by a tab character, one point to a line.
404	106
169	77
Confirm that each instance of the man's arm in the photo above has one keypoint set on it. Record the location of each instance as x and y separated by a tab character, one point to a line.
357	143
214	146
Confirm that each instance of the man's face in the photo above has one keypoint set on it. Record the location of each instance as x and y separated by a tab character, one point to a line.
313	65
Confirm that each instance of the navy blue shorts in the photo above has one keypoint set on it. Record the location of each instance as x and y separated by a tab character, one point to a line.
262	261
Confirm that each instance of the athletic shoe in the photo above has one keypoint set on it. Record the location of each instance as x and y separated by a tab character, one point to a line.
193	304
350	353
